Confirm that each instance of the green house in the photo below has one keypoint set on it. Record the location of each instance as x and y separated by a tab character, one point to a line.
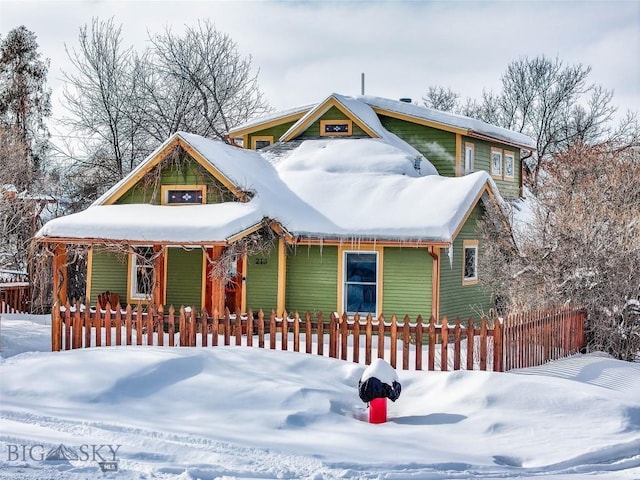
356	204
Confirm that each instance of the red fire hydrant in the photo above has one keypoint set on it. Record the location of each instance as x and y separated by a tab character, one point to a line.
378	382
378	410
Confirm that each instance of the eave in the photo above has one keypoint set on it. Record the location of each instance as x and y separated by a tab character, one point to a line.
272	122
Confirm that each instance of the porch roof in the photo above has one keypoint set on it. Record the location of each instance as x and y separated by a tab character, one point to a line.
140	223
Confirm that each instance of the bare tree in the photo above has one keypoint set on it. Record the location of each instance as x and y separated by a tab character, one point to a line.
211	85
100	96
19	209
124	103
550	101
582	245
440	98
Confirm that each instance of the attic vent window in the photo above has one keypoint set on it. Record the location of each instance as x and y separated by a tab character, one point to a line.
187	195
331	128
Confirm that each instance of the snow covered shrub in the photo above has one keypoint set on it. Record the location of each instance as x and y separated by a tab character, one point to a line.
580	245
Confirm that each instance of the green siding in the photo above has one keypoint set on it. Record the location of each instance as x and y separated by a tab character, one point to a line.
508	188
276	132
457	300
332	114
407	284
312	279
187	172
262	281
438	146
109	271
184	277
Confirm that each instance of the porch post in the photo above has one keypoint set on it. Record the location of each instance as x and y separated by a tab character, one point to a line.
159	283
59	294
282	276
60	274
217	285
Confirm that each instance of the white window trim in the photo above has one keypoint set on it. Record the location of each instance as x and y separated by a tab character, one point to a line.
469	147
344	280
466	245
513	164
496	173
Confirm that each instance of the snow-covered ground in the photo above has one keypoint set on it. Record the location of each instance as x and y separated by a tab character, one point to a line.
246	413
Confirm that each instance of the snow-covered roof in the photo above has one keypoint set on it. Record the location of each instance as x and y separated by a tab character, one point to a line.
141	222
361	107
268	118
446	118
337	188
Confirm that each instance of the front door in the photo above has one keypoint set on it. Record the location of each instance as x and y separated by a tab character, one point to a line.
233	287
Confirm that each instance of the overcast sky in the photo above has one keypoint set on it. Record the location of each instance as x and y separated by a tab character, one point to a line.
307	50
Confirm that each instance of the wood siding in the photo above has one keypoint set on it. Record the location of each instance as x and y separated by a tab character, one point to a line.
457	299
312	279
509	188
276	132
407	283
190	173
438	146
109	271
262	281
184	277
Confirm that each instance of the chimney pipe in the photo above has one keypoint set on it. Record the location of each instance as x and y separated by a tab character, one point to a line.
362	84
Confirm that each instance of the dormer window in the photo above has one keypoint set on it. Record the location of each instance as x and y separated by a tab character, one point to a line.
184	194
335	128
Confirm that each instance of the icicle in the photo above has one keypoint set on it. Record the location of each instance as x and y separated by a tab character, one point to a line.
450	255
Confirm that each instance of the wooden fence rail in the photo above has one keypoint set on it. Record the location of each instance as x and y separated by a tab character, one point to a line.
498	345
15	295
538	337
404	344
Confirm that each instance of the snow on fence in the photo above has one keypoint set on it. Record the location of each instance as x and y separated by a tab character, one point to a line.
15	292
404	344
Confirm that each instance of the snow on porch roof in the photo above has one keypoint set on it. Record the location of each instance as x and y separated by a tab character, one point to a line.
139	223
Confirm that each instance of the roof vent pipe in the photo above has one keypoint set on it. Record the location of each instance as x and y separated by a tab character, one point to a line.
405	100
362	84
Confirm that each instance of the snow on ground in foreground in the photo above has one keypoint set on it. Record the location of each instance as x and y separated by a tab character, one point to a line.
237	412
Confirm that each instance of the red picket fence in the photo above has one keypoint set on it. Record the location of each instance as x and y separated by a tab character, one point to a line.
536	338
404	344
15	292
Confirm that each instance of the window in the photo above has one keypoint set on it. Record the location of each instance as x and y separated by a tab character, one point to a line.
183	194
496	162
330	128
469	153
259	142
360	282
470	262
509	165
141	273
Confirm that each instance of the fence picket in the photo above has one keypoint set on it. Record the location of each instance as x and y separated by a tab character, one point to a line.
517	341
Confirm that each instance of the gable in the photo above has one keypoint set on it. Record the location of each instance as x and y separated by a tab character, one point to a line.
347	107
178	171
333	116
175	151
